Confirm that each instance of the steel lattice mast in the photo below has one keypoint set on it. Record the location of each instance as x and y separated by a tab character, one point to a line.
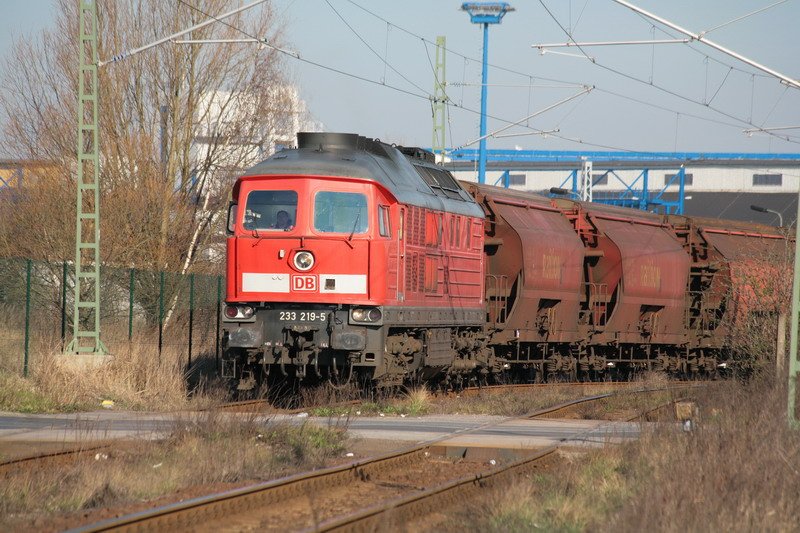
86	317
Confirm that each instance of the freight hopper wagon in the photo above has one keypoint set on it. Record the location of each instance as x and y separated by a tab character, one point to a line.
738	282
350	258
577	289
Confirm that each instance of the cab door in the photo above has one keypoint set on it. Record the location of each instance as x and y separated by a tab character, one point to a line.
400	243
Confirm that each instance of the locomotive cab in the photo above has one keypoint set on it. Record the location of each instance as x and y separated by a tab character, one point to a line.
305	290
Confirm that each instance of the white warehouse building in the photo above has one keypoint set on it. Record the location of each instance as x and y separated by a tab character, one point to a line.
720	185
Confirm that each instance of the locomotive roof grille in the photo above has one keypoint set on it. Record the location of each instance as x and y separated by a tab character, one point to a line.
440	181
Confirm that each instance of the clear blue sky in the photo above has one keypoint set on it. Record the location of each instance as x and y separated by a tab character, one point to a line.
600	118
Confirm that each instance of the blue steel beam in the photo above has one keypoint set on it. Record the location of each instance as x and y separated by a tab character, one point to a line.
555	156
636	194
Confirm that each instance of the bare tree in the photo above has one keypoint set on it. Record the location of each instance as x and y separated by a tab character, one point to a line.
177	123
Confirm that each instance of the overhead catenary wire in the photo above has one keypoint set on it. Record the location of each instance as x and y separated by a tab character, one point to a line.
611	69
300	58
585	91
737	19
425	96
371	49
690	46
663	89
708	42
129	53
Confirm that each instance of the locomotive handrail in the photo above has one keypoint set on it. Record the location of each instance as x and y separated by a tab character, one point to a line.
526	205
631	220
743	233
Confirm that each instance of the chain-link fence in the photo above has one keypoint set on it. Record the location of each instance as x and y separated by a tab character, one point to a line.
156	309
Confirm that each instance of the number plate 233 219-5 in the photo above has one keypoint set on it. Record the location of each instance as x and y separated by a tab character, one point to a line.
303	316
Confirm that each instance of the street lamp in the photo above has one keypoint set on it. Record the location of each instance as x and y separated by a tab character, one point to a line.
765	210
485	13
558	191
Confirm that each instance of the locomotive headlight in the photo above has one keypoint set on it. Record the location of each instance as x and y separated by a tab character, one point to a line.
234	312
303	260
366	314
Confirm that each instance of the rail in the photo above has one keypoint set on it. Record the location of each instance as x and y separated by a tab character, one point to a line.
188	514
412	507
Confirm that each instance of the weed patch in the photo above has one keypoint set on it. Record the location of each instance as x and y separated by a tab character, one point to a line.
739	470
23	396
137	378
207	450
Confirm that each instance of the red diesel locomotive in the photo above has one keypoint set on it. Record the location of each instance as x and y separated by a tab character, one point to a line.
350	257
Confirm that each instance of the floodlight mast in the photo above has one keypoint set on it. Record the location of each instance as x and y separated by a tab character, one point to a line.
485	13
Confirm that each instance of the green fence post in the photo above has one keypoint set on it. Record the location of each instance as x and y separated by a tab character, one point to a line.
160	312
130	304
191	317
28	267
219	310
63	305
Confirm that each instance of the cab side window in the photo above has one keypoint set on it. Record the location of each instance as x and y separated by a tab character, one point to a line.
383	221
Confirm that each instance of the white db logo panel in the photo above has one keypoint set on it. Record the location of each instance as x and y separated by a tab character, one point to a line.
304	283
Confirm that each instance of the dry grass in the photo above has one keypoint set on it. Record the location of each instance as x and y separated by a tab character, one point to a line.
209	450
574	497
514	402
738	471
136	378
417	401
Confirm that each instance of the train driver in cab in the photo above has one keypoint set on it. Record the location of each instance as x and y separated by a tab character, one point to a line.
283	221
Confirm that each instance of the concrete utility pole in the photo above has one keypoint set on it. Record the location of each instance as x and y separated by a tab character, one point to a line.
794	364
485	13
439	100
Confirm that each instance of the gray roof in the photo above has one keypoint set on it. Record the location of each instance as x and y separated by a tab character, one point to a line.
349	155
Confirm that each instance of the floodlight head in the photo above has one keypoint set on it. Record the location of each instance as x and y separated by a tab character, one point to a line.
486	12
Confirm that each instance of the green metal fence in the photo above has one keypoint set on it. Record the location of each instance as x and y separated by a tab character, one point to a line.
159	310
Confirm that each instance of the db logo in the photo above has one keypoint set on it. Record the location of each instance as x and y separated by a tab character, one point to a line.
304	283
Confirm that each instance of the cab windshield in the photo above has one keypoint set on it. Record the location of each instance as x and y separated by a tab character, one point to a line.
270	211
340	212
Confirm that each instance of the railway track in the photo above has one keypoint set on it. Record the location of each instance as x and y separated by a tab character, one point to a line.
558	411
609	385
244	508
263	406
49	459
414	507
